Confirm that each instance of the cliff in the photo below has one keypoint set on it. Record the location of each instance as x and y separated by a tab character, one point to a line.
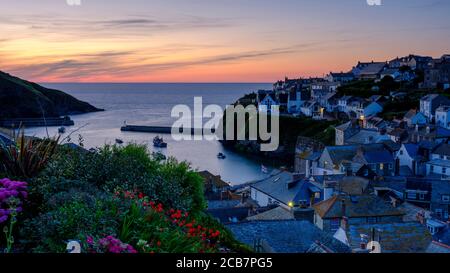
23	99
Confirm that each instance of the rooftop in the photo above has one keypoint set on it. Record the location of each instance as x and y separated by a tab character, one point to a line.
286	236
355	206
408	237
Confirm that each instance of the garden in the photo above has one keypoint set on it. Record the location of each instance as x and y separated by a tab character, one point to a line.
114	199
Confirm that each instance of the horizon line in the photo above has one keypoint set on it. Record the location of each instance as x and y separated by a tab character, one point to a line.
101	82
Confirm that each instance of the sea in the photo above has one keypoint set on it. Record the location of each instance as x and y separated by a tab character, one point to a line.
151	104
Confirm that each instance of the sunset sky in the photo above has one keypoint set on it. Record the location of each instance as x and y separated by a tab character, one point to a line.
211	40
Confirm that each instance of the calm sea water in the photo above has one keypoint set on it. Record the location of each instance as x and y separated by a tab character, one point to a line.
151	104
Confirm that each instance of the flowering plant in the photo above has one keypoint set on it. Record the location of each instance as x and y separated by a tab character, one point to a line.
108	244
12	194
207	239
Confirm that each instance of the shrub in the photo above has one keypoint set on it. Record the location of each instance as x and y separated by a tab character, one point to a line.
28	157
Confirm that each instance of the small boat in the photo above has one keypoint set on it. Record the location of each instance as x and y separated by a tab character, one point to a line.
221	156
119	141
159	142
62	130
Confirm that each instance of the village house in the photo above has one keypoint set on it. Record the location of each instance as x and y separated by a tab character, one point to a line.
307	153
430	193
215	187
368	71
437	73
325	86
354	210
285	189
340	77
398	134
414	62
286	236
375	123
266	98
414	117
407	237
439	163
428	133
443	116
359	108
411	159
297	97
350	134
430	103
364	160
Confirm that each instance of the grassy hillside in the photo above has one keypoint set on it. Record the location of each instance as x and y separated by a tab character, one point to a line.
22	99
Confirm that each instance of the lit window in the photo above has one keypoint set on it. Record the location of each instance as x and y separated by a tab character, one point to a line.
381	166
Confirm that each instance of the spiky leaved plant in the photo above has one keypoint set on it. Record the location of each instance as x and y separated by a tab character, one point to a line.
26	156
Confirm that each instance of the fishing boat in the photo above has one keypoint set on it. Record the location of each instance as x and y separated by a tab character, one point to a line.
119	141
159	142
221	156
62	130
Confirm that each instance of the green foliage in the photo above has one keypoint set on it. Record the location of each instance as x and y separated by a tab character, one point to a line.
26	158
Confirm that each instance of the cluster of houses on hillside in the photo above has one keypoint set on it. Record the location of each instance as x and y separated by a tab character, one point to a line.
383	187
314	97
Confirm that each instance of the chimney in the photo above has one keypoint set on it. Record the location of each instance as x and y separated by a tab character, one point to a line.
344	220
363	243
344	223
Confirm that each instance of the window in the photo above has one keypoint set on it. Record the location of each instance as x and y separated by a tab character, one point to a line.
444	170
422	196
335	224
412	195
438	213
431	168
446	198
381	166
401	152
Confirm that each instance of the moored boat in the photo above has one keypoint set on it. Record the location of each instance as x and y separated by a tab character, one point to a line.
159	142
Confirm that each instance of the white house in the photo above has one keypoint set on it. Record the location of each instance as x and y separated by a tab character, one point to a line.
439	163
409	161
364	109
443	116
267	101
430	103
284	189
343	102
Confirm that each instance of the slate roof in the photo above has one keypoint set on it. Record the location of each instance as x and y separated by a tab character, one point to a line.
342	74
443	236
277	213
410	114
353	185
340	153
412	150
286	236
276	186
367	136
372	68
442	149
408	237
355	207
221	204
